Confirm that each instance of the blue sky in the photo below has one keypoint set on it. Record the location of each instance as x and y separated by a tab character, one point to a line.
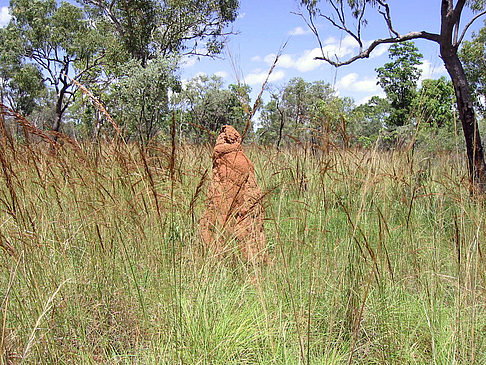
263	26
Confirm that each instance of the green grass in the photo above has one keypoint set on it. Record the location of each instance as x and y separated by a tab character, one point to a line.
377	258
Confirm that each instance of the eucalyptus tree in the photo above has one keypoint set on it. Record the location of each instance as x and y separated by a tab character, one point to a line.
147	29
434	103
449	38
398	79
372	117
207	106
302	111
473	57
53	41
148	39
21	83
139	100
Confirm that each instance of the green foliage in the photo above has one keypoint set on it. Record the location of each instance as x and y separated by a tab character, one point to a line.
124	51
476	5
399	80
371	118
473	57
139	99
145	38
147	29
206	106
22	84
435	101
433	108
55	40
300	111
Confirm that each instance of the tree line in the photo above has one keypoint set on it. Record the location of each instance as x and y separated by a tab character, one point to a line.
127	54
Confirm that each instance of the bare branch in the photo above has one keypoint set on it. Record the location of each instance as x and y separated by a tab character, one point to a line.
108	13
366	53
344	29
259	97
387	16
313	28
458	9
467	27
342	19
456	18
360	19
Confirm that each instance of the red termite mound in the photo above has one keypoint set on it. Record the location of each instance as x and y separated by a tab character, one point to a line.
234	204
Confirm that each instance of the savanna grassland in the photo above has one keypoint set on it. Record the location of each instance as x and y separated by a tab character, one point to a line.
377	258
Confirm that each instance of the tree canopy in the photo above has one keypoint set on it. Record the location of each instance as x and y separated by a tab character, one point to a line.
449	38
399	80
125	51
473	56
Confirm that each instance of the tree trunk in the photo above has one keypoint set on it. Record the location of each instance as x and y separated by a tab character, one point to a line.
474	148
56	125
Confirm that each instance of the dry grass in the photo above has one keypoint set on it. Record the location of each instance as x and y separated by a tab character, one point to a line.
377	258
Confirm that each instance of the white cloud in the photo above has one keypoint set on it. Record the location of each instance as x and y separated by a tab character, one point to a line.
368	98
430	71
380	50
338	48
4	16
346	46
269	58
259	77
241	16
299	31
354	83
222	74
188	61
285	60
184	82
306	60
364	100
256	59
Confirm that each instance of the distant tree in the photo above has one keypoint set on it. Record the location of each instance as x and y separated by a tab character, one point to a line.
273	120
147	29
434	102
449	39
370	119
207	106
139	98
21	83
301	110
55	41
433	108
473	57
146	39
399	80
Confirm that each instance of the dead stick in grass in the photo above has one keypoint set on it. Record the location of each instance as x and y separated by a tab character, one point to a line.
258	99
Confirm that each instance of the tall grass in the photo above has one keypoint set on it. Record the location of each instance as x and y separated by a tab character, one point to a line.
377	257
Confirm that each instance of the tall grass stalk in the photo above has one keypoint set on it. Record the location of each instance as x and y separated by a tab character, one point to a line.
377	257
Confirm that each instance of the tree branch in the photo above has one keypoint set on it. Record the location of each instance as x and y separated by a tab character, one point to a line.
387	16
366	53
312	27
458	9
467	27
